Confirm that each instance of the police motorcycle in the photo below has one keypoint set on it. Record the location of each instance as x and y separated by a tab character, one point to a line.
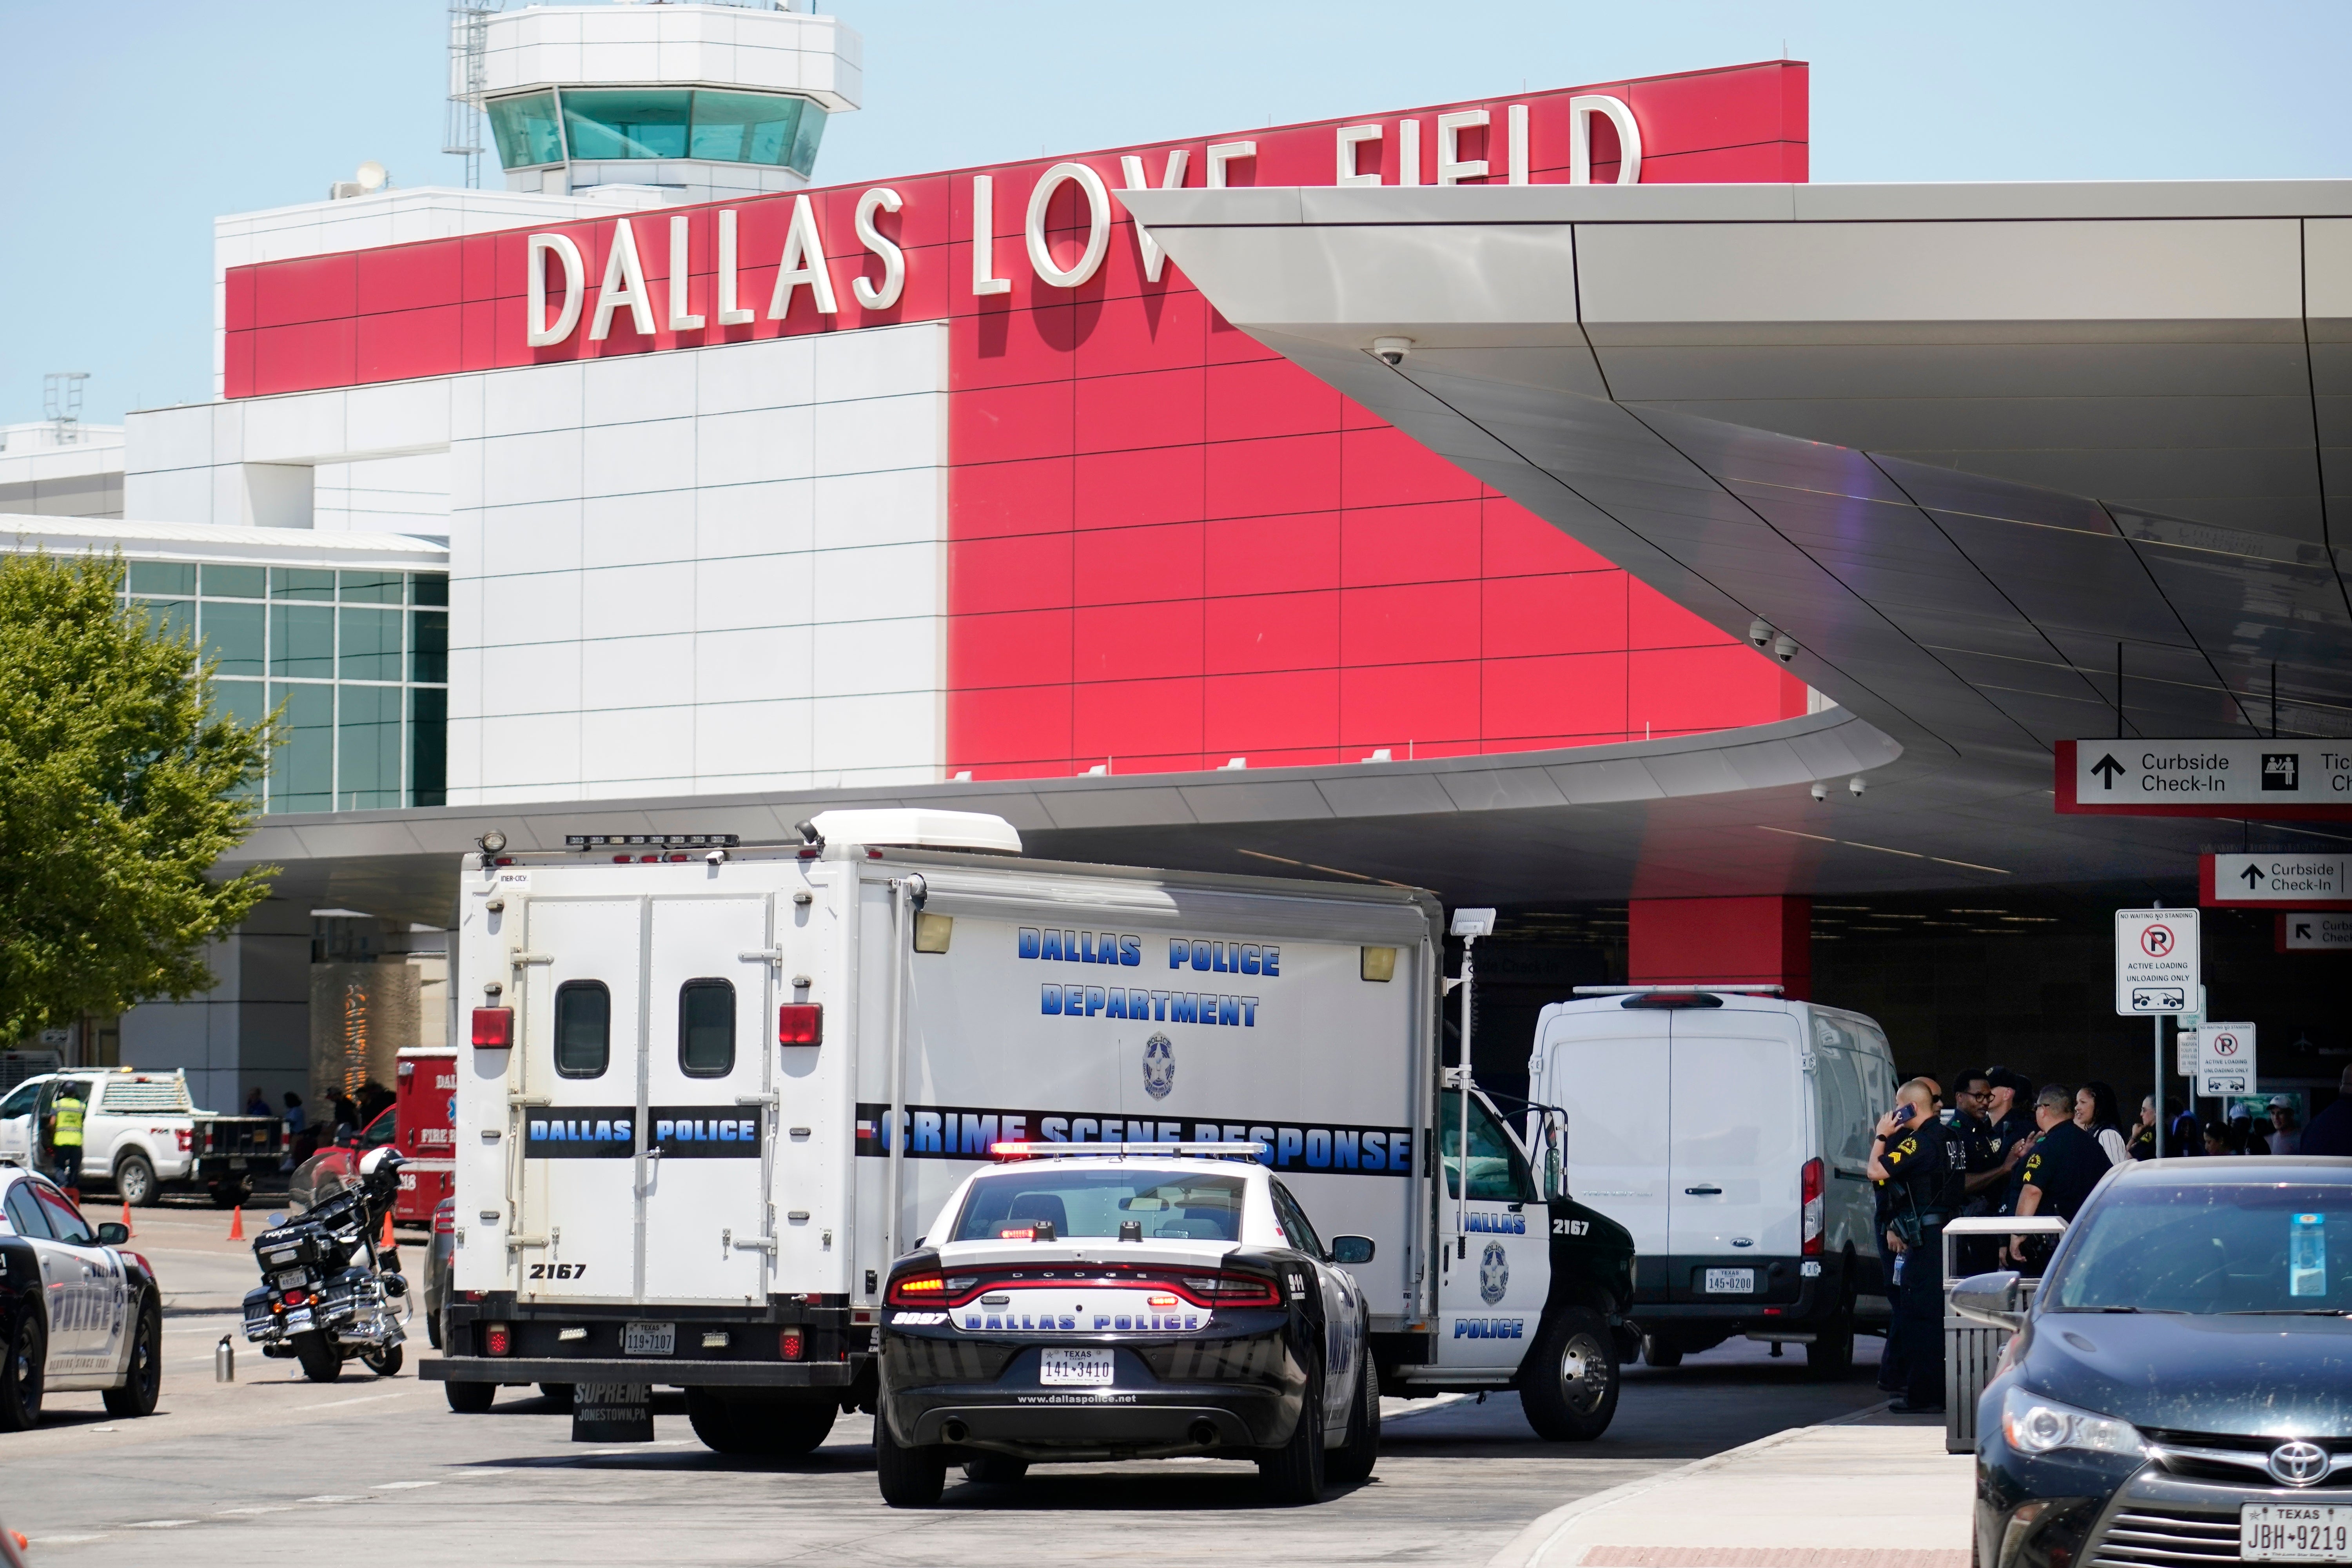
328	1294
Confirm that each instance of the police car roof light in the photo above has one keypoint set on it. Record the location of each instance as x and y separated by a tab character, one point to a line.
1032	1150
1741	990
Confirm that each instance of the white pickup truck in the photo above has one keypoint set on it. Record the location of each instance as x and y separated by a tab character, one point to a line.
142	1135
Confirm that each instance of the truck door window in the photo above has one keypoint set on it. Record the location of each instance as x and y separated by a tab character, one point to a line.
584	1028
1497	1170
21	1102
23	1214
705	1028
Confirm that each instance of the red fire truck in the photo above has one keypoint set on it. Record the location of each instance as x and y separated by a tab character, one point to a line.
425	1108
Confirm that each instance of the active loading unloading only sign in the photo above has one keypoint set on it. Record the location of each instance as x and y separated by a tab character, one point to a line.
2155	961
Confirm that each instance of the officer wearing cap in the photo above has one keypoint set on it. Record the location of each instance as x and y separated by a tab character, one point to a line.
2065	1166
1923	1169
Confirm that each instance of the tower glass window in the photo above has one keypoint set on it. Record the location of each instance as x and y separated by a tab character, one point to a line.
359	661
771	129
526	130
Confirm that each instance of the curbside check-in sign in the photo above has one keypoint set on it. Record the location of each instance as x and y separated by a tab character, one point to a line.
2155	961
2275	779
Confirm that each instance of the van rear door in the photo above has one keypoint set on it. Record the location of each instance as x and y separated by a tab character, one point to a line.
1738	1144
1608	1069
708	1232
573	1159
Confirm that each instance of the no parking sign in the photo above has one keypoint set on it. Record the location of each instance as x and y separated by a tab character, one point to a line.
2225	1059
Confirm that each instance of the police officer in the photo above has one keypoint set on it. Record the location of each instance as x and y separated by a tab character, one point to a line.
1923	1168
2063	1166
65	1136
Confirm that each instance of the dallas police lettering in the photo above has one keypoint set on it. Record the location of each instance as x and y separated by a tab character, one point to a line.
580	1132
966	1132
610	1133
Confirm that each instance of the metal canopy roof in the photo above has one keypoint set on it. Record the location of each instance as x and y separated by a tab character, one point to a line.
1960	442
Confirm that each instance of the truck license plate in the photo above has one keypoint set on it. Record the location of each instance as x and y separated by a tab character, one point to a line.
2295	1532
649	1339
1731	1281
1090	1368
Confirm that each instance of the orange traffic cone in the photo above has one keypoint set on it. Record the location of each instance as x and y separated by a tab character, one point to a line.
126	1216
390	1241
236	1223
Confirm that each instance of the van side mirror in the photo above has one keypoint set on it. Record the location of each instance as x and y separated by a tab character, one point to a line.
1996	1301
113	1233
1351	1250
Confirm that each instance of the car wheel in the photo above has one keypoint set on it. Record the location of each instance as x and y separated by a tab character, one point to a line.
1293	1473
385	1362
1656	1351
23	1371
994	1469
1349	1465
321	1361
1568	1385
143	1380
469	1399
433	1329
1830	1355
768	1429
134	1179
909	1478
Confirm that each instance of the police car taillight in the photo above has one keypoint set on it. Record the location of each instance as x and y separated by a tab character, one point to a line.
493	1029
790	1344
1809	1186
800	1024
497	1339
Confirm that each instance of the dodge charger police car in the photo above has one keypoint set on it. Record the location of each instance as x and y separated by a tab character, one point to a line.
1125	1300
76	1310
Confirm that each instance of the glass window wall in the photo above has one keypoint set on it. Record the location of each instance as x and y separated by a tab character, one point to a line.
358	659
776	130
526	129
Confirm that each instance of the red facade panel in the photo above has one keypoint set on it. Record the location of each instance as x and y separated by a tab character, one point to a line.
1167	545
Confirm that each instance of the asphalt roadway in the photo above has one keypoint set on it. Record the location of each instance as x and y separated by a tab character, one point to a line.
223	1472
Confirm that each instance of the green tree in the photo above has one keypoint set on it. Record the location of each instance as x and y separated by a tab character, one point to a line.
119	789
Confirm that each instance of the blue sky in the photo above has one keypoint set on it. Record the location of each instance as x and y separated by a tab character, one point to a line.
137	122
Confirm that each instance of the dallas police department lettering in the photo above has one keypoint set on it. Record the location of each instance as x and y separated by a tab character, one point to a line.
1125	949
2183	772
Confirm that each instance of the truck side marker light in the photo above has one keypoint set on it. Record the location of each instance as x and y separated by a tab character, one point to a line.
800	1024
493	1029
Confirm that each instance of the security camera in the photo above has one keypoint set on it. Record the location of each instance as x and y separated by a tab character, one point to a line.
1759	632
1854	784
1784	648
1393	350
1821	791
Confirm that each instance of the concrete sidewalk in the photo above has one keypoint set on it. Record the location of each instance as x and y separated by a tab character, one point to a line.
1840	1496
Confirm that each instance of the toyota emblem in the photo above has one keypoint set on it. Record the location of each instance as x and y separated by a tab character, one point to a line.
2299	1464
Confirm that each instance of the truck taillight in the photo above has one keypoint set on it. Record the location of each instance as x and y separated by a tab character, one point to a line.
800	1024
790	1344
497	1339
1809	1185
493	1029
186	1136
445	1219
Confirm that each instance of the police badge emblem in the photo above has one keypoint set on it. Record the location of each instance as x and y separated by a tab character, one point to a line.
1494	1273
1159	1066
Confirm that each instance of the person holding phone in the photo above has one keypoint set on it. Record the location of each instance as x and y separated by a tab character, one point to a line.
1923	1169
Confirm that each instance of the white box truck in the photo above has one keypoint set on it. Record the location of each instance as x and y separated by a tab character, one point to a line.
1729	1131
711	1090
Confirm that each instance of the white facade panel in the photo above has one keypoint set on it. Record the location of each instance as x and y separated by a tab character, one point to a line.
754	591
858	658
880	582
755	447
896	506
651	600
516	541
776	374
731	668
536	398
530	677
751	742
756	519
633	460
629	388
650	529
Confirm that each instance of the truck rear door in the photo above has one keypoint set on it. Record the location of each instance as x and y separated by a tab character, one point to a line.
1608	1069
574	1165
1737	1148
709	1231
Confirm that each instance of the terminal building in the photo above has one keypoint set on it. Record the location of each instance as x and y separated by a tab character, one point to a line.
1551	499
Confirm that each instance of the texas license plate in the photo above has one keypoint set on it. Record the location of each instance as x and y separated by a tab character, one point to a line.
1731	1281
649	1339
1090	1368
2295	1532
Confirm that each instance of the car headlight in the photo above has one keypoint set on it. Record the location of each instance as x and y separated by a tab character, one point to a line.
2036	1425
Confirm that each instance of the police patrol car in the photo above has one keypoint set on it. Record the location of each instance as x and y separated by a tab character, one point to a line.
1125	1300
712	1090
76	1310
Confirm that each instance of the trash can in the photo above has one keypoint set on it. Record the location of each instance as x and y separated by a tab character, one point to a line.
1972	1350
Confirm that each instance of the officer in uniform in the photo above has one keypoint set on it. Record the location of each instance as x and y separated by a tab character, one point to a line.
65	1137
2061	1170
1923	1169
1971	1125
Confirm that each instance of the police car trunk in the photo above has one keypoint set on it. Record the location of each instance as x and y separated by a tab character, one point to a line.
712	1090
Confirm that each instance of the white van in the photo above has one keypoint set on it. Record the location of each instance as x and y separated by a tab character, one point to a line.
1729	1131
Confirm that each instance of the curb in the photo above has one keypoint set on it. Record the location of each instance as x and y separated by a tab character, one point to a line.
1527	1548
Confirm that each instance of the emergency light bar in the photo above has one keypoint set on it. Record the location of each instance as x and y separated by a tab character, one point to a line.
1679	990
1026	1150
652	840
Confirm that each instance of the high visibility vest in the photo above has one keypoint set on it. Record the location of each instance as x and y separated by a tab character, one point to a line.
69	1130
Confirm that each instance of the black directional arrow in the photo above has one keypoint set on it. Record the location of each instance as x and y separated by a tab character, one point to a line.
2254	878
2106	767
2303	930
